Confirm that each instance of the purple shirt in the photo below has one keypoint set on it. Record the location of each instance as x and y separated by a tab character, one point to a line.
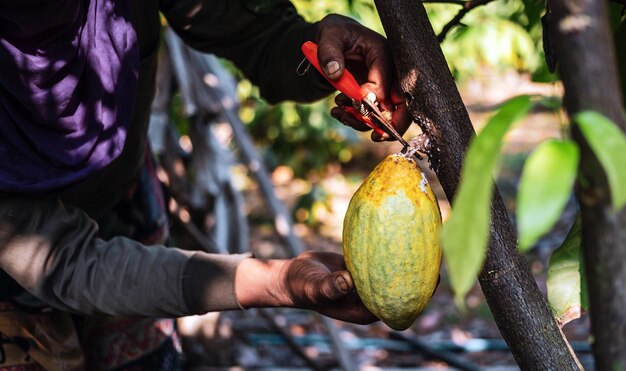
68	76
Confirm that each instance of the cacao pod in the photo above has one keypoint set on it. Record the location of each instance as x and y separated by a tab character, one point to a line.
391	241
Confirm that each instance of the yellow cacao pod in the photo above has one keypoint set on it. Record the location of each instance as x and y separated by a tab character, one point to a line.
391	241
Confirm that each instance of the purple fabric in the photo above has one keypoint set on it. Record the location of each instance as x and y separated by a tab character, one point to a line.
68	75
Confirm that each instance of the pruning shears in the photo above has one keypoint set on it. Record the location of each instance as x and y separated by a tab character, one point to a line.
365	108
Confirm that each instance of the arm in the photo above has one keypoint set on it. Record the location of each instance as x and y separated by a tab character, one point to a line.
51	250
265	46
314	280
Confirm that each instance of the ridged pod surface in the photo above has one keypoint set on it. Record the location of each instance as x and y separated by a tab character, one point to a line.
391	241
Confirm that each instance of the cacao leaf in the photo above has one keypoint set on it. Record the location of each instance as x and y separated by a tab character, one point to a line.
466	232
565	280
609	145
545	187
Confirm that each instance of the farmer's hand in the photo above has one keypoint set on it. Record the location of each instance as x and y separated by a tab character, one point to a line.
342	43
314	280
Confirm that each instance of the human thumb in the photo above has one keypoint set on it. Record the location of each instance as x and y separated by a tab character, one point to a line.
330	55
336	285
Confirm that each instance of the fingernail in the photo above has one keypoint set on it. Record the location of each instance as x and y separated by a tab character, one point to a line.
332	67
341	284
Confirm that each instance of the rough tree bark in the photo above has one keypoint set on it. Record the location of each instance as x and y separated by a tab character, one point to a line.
587	66
519	308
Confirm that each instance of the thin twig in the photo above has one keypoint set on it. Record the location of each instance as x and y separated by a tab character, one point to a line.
345	360
441	355
206	242
270	316
467	6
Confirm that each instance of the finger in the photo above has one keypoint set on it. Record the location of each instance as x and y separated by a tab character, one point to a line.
401	119
401	116
348	119
332	260
397	97
376	137
330	54
343	100
380	67
336	285
308	254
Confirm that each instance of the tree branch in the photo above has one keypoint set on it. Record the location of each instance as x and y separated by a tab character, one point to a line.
519	308
587	66
467	6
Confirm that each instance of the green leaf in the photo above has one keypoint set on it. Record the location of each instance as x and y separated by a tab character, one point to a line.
466	232
564	281
609	145
545	187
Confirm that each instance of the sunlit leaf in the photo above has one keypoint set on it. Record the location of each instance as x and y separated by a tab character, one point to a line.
564	280
466	232
545	187
609	145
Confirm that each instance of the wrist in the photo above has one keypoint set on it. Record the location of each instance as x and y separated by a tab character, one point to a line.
261	283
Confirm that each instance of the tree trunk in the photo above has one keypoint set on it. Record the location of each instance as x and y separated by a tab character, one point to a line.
519	308
587	66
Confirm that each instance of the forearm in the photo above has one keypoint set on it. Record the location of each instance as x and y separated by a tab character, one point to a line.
265	46
313	280
53	252
258	283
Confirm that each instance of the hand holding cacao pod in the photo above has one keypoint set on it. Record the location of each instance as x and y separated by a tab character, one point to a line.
319	281
391	241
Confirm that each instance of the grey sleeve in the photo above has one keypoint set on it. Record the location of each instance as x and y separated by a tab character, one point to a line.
51	249
265	45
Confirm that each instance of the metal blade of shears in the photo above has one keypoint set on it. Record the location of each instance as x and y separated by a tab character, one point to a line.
384	124
347	84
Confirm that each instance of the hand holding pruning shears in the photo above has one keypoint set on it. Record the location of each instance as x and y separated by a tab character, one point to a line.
344	45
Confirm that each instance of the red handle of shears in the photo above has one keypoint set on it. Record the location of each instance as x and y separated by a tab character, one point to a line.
347	84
